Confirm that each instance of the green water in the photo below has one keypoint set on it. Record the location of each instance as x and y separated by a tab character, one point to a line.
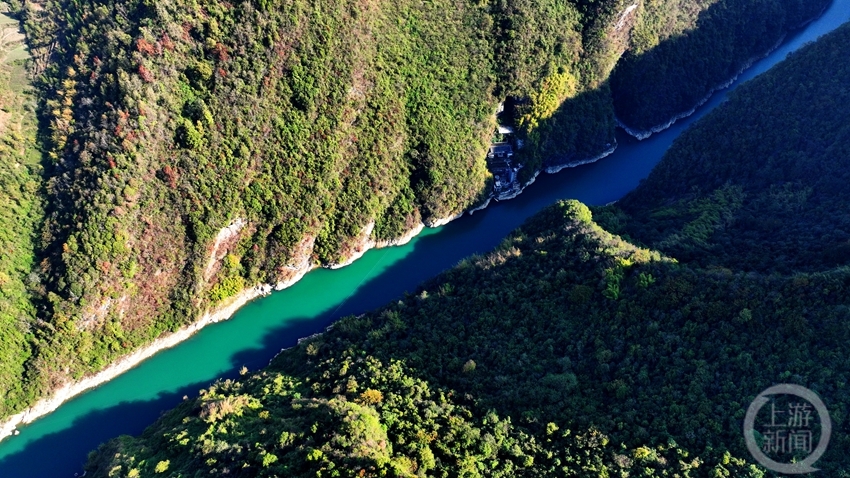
57	444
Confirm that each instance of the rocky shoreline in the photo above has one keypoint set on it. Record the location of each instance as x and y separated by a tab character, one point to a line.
576	163
47	405
644	134
482	206
61	395
58	397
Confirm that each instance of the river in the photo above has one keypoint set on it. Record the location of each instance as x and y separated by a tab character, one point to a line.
57	445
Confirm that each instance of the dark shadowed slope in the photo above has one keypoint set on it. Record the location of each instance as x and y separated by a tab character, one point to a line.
566	351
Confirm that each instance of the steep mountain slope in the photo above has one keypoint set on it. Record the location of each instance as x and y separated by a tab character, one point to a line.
569	351
662	77
21	210
768	176
197	149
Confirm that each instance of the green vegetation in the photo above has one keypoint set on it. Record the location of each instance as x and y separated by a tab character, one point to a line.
20	215
767	176
569	350
309	124
662	76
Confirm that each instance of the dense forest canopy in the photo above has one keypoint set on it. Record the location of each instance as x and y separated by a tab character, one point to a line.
20	212
571	350
768	177
194	149
662	77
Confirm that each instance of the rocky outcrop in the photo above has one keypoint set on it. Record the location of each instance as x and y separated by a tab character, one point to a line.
579	162
362	244
218	251
400	241
442	221
70	390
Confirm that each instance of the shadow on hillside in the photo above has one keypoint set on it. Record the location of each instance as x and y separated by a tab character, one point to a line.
68	448
666	80
674	76
582	127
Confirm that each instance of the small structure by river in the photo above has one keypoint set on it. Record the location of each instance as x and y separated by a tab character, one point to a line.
501	162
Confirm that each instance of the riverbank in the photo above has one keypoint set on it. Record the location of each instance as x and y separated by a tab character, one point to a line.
65	393
577	163
644	134
47	405
224	312
367	243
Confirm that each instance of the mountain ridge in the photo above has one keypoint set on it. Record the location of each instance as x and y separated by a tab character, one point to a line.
623	340
143	172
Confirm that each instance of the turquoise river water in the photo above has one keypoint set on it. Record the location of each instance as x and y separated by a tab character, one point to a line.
57	444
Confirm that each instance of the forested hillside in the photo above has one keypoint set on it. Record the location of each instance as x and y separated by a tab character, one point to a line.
767	176
569	350
664	76
193	150
20	213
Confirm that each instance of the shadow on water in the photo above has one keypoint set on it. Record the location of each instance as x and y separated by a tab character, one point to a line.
59	449
394	271
67	449
64	453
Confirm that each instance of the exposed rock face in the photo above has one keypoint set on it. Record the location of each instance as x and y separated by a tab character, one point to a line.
72	389
220	246
579	162
159	242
